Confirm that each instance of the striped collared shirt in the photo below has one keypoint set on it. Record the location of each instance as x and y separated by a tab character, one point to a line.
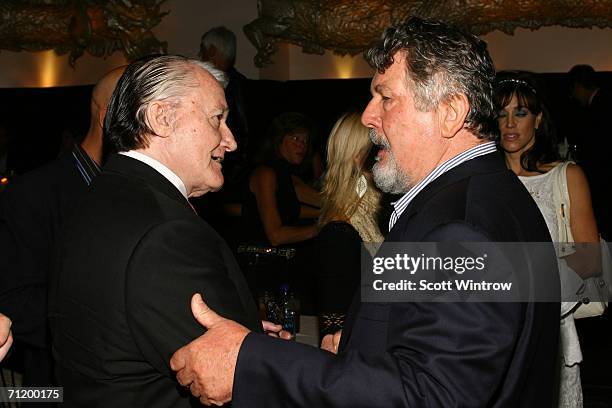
400	205
84	164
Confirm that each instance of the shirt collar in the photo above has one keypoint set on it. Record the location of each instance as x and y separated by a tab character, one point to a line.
162	169
86	166
400	205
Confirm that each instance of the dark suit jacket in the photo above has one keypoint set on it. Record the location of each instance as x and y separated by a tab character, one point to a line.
131	258
427	354
32	211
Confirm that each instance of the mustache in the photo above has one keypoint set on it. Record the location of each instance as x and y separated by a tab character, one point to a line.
378	140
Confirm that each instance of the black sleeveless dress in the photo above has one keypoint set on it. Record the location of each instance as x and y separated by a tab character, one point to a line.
266	273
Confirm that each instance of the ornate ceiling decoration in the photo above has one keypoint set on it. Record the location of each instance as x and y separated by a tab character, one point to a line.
349	27
98	27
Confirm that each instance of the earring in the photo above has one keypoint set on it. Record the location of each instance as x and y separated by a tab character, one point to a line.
362	186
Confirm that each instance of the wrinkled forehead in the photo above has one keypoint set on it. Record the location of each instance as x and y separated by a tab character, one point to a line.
393	76
207	80
209	89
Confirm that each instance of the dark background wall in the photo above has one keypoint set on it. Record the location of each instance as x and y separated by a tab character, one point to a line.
38	118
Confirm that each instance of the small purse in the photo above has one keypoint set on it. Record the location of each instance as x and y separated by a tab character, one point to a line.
593	293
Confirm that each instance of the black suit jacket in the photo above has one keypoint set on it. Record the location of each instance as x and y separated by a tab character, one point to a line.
131	258
32	211
427	354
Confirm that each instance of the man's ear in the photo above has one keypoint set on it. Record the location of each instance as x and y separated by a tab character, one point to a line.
160	118
452	113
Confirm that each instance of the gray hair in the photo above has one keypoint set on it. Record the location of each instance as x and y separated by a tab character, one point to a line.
219	75
152	78
442	61
223	40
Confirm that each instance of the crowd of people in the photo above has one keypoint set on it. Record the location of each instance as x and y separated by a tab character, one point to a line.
119	291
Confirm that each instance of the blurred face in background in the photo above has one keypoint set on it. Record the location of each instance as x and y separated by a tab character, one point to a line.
517	126
294	146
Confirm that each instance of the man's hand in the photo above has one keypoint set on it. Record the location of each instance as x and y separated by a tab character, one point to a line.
331	341
208	363
275	330
6	337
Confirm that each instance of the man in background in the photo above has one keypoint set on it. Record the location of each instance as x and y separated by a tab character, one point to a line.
594	141
32	212
218	46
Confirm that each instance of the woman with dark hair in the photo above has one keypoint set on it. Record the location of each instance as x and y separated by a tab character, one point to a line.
276	202
527	140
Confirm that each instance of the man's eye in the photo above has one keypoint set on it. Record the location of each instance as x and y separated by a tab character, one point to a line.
217	119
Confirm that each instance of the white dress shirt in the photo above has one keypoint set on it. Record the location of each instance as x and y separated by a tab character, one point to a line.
161	169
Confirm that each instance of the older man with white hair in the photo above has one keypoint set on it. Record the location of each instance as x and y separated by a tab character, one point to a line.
135	250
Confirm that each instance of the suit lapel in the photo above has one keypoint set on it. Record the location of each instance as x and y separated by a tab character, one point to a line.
488	163
129	167
480	165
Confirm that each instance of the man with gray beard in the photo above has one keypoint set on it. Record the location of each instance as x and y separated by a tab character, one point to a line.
390	179
432	116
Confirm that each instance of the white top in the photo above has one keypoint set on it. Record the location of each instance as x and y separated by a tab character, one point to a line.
161	169
541	189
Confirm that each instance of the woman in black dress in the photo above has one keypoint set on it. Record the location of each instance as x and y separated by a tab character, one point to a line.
276	209
348	218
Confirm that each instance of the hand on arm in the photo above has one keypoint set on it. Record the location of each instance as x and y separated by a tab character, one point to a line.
586	261
208	363
263	186
307	211
306	194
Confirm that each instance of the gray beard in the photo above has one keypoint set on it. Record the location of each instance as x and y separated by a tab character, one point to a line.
389	177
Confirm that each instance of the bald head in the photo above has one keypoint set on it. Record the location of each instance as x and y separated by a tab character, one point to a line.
101	95
103	90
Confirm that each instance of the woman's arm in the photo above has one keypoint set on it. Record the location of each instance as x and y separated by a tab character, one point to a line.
305	193
586	261
263	185
307	211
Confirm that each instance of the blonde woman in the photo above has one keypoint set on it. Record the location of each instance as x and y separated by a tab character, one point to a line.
348	217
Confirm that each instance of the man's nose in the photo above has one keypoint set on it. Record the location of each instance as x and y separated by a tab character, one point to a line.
227	139
370	117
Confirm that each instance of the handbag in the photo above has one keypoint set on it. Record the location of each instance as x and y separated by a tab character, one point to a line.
594	292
